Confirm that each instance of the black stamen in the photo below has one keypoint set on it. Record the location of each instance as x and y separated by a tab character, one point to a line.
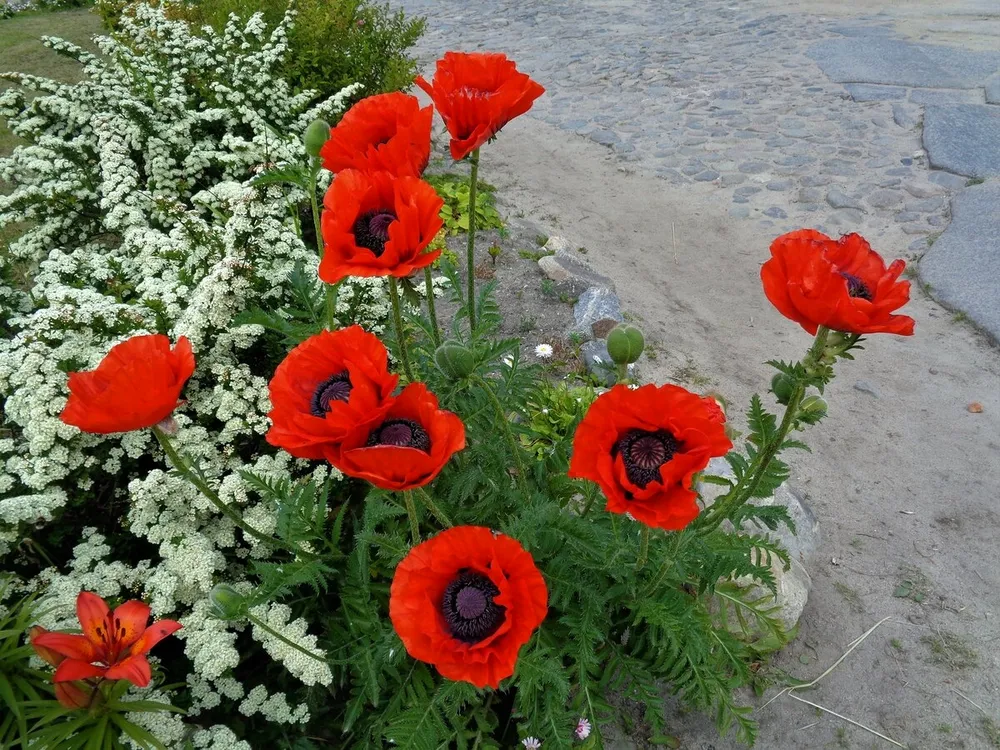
402	433
336	388
469	609
643	453
371	230
856	287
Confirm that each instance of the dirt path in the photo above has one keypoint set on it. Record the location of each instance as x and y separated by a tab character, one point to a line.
904	479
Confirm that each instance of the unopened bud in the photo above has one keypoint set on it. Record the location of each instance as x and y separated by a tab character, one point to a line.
625	344
315	136
782	387
227	602
812	409
454	360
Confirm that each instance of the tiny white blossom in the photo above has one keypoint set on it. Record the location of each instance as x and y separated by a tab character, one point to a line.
598	360
544	351
633	386
531	743
582	730
508	360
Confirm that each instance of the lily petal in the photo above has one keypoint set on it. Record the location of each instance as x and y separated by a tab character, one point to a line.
130	621
73	646
153	635
135	669
93	614
74	669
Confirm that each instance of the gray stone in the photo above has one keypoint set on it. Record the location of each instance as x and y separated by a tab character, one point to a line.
896	62
866	92
915	228
904	217
964	138
739	212
747	190
963	265
865	387
809	195
556	244
572	276
947	96
905	116
839	199
846	217
922	189
885	198
925	206
707	176
595	305
948	180
778	185
753	167
595	356
993	90
775	212
815	180
604	137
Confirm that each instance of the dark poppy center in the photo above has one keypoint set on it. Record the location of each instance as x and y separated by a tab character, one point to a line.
401	433
371	230
336	388
856	287
643	452
469	609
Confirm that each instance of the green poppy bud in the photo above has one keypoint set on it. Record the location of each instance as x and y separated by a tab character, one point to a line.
315	136
625	344
781	387
454	360
812	409
227	602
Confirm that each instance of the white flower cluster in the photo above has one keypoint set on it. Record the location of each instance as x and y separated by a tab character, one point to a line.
137	190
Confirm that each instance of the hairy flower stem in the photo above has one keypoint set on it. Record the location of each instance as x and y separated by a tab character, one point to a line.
591	497
471	251
317	224
434	509
411	511
184	468
264	626
435	332
397	318
643	547
502	421
740	495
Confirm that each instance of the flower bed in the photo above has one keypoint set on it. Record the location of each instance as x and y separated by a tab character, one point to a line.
353	528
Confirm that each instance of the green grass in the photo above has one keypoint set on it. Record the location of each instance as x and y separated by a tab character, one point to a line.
22	51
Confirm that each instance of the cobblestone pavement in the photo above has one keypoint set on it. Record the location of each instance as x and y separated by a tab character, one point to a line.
729	94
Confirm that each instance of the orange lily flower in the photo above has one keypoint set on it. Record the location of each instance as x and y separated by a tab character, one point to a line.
69	694
113	645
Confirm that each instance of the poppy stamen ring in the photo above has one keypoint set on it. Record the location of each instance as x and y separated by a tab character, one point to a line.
371	230
335	388
469	609
401	433
643	452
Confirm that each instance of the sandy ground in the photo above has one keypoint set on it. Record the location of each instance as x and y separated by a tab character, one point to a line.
905	483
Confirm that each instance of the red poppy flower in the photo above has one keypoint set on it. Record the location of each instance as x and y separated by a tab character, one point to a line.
466	601
477	94
385	132
113	645
378	225
136	385
644	446
841	284
69	694
407	446
325	387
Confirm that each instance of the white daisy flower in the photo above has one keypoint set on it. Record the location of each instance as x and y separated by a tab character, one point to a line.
531	743
582	730
544	351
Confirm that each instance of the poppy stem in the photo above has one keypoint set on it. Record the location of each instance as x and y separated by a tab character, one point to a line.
591	497
267	628
435	332
434	509
471	251
184	468
398	320
317	223
331	305
643	547
740	495
411	511
502	421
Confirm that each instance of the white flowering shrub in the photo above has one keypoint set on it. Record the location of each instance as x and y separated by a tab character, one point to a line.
136	196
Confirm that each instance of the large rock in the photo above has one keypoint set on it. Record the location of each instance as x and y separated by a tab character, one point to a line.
793	587
595	312
595	356
803	543
964	138
894	62
571	273
963	265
